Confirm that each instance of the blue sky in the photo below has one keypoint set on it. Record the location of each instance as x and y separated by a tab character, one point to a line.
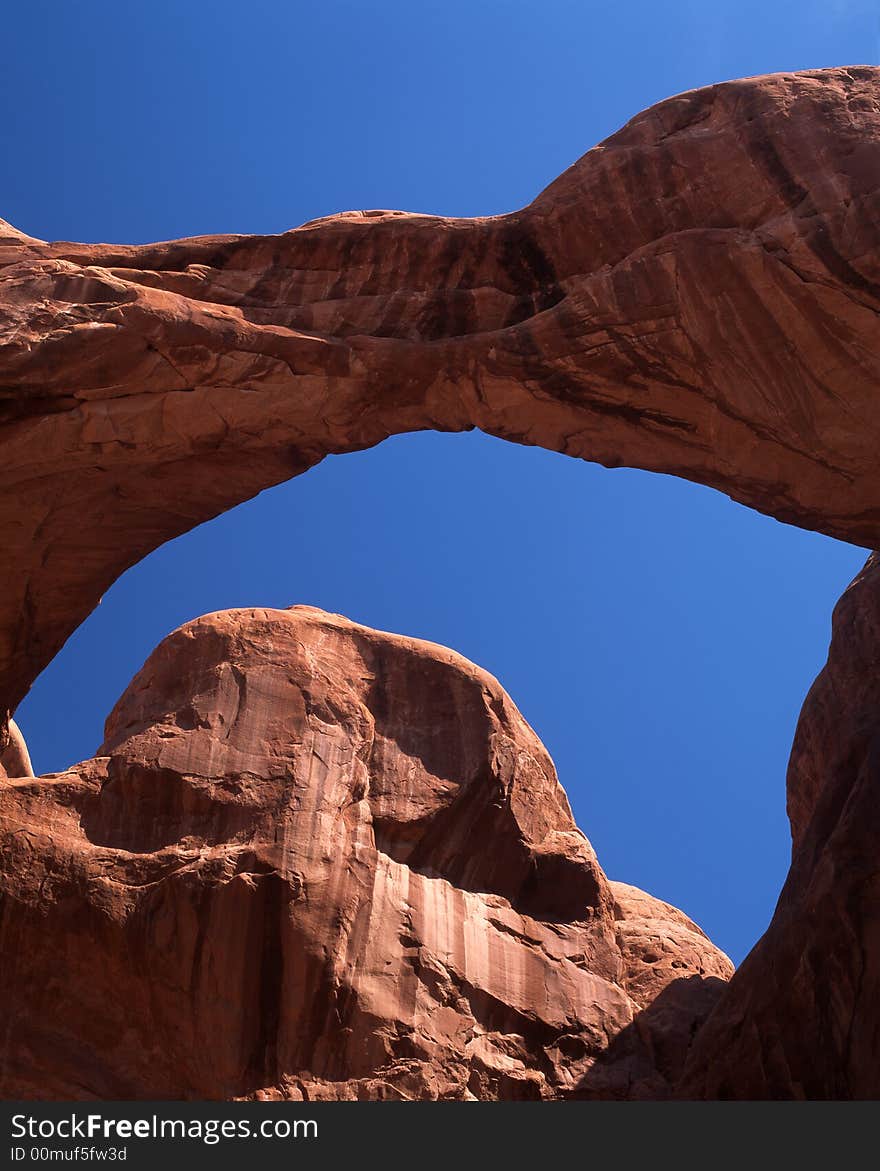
658	637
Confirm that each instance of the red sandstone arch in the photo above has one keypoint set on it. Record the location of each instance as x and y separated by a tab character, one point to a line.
697	295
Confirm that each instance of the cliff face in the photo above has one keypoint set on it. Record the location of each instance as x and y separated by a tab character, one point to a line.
291	814
313	859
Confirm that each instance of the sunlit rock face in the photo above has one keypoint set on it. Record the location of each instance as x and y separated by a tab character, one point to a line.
15	759
312	859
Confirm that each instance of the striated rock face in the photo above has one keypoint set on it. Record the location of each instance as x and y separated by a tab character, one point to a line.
697	295
313	859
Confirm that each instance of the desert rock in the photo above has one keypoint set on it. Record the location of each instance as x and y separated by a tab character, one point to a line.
697	295
15	759
311	859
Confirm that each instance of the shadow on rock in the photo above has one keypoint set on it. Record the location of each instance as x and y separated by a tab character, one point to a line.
647	1058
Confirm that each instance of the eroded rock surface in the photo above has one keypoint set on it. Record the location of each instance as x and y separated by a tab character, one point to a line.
313	859
698	294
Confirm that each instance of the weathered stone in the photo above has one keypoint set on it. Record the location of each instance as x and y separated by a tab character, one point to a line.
313	859
15	760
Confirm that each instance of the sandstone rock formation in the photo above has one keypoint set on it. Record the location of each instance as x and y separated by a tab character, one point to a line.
15	759
312	859
698	295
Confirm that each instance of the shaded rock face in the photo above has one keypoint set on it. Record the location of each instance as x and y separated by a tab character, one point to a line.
800	1018
315	860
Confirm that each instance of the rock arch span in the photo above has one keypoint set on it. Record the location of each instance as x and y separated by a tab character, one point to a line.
697	295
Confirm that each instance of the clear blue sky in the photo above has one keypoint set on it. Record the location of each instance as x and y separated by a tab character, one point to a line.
658	637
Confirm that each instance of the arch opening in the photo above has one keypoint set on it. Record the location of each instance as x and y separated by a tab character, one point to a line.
658	637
